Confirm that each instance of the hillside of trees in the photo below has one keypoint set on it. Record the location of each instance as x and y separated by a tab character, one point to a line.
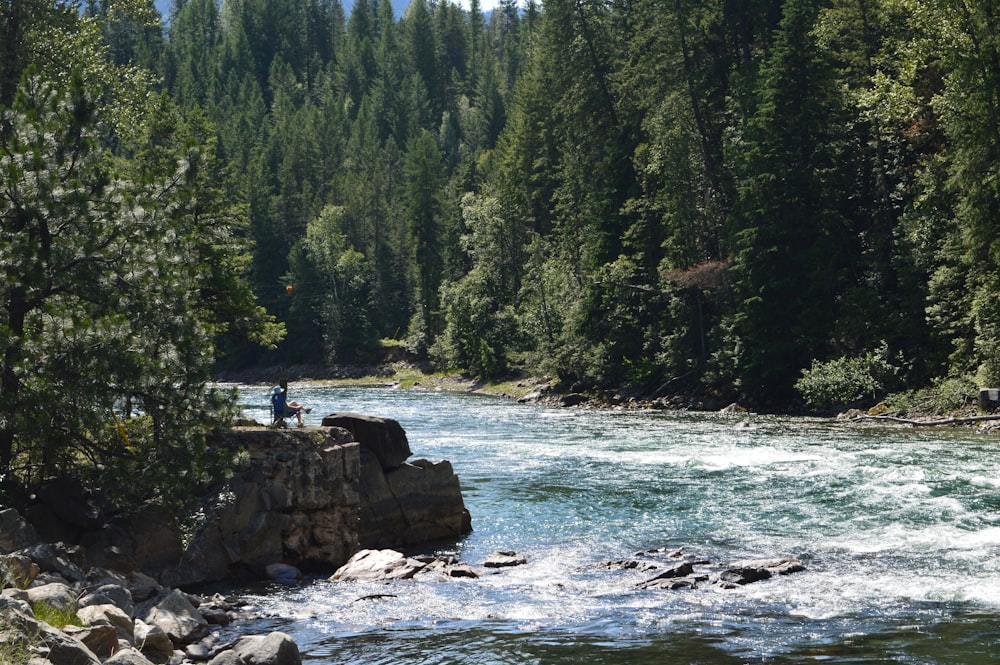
771	199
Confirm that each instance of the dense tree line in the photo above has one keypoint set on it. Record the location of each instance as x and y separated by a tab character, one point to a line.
661	194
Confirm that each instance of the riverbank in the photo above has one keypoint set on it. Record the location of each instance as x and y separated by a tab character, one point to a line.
519	388
943	405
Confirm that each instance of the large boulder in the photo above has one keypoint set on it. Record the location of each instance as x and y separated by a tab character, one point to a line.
62	649
152	641
59	558
55	595
110	594
382	437
296	503
273	649
102	639
176	616
378	566
414	503
108	615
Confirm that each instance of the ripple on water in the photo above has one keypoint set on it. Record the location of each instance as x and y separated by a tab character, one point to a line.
900	532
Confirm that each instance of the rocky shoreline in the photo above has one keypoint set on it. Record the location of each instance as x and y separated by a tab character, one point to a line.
306	498
111	618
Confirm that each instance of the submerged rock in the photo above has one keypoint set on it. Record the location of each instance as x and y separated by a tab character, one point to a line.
683	575
755	570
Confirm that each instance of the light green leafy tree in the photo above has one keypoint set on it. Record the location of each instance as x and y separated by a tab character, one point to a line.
118	277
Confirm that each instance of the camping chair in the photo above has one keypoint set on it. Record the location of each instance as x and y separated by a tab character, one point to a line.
277	419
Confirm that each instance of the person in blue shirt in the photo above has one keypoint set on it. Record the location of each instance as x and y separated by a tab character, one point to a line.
281	408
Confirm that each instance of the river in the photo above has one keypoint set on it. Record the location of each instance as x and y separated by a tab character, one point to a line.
899	530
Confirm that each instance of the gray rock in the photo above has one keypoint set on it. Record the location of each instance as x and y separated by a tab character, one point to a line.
15	533
504	560
15	600
383	437
297	503
56	558
198	652
108	615
102	639
152	641
755	570
411	504
17	570
59	596
174	614
377	565
667	579
62	649
110	594
274	649
142	586
227	658
128	656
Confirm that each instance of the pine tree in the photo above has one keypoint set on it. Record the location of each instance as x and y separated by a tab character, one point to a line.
794	245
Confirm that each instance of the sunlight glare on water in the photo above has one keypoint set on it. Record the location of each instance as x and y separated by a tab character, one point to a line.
899	531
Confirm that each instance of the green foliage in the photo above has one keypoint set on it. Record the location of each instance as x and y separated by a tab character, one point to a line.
57	617
121	268
643	194
848	380
946	396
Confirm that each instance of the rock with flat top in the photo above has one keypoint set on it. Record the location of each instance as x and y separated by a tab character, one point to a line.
504	560
377	566
755	570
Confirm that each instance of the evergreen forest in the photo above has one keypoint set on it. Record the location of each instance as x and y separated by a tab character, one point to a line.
782	201
764	198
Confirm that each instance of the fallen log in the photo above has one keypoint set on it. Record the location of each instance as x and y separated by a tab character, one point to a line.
965	420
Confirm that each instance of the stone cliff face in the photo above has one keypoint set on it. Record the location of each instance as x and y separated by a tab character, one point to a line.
307	497
402	503
311	497
296	503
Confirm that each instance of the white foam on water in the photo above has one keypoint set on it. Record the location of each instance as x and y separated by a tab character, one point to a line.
895	528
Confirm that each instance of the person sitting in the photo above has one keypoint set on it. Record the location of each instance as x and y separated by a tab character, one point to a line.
281	408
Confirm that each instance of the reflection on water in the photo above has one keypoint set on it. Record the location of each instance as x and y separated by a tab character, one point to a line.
899	531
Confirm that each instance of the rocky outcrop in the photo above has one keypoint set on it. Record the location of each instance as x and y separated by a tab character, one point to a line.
402	503
301	499
296	503
689	572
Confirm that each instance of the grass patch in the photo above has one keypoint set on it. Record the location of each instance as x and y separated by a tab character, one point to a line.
57	617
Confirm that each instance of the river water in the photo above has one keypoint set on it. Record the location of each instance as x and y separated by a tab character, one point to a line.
899	530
